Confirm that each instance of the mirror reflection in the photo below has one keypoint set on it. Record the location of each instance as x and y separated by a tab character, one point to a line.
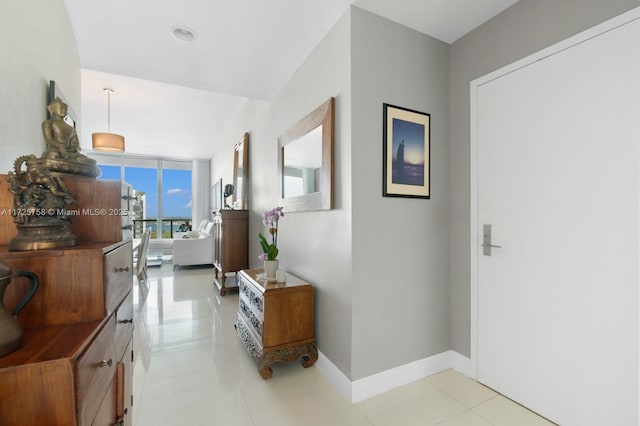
240	173
303	164
305	161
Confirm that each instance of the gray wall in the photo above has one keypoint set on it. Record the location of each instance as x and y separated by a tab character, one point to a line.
392	274
37	45
380	265
524	28
316	246
400	245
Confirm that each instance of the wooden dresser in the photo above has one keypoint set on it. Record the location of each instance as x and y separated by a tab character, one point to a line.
275	320
75	366
231	245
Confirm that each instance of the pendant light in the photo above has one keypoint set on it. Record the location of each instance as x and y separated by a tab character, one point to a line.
109	142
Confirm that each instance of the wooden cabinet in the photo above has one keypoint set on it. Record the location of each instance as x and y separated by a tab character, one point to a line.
275	320
124	395
65	371
97	212
231	245
74	365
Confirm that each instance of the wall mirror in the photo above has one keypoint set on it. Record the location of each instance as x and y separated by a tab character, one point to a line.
306	161
240	163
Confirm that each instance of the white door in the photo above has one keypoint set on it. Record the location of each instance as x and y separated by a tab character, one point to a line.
558	180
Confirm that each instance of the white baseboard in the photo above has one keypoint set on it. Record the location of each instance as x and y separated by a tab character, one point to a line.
378	383
334	375
460	363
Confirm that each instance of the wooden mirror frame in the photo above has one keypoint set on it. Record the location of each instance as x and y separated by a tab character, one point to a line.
240	202
323	200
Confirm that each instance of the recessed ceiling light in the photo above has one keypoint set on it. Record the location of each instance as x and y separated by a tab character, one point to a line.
183	33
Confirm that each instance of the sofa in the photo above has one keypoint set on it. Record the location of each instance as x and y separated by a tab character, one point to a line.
195	247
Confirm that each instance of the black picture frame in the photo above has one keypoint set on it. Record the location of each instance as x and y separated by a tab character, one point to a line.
406	152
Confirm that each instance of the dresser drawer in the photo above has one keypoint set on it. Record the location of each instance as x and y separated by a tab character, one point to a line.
256	300
124	325
252	297
251	305
247	336
251	319
118	276
243	286
95	370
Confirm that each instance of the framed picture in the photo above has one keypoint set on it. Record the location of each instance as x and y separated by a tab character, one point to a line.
405	153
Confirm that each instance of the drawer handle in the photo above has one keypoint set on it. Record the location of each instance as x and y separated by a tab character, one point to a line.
121	269
105	363
127	321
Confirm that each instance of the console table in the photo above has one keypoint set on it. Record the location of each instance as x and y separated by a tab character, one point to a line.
275	320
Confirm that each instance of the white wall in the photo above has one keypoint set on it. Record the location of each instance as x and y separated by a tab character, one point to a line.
37	45
252	119
201	192
156	118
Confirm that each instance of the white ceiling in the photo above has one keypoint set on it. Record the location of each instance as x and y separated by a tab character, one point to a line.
175	98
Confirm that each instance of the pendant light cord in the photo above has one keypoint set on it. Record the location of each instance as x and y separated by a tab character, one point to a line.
109	92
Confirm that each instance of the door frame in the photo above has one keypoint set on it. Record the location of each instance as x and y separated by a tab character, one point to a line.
475	237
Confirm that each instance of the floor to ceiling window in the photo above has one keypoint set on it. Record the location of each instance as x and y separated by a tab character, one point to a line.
176	195
142	174
162	190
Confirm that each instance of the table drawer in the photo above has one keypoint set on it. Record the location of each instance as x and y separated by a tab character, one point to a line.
252	297
124	325
252	320
256	300
95	370
118	276
243	286
251	306
247	336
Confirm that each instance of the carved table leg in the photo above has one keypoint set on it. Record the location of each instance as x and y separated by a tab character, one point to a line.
265	370
311	358
223	278
307	351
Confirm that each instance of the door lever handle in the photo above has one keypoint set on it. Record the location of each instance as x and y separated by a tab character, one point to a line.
491	245
486	240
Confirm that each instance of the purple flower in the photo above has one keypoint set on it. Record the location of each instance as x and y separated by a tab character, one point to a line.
270	218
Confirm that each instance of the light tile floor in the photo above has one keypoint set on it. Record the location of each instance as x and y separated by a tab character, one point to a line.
191	369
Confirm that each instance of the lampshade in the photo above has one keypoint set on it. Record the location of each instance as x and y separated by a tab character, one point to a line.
110	142
106	141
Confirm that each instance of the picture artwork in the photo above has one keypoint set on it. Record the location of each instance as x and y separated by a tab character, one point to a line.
406	153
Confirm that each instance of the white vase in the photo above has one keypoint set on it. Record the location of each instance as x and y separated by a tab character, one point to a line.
270	268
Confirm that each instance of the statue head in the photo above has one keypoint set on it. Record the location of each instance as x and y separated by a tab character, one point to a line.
57	107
